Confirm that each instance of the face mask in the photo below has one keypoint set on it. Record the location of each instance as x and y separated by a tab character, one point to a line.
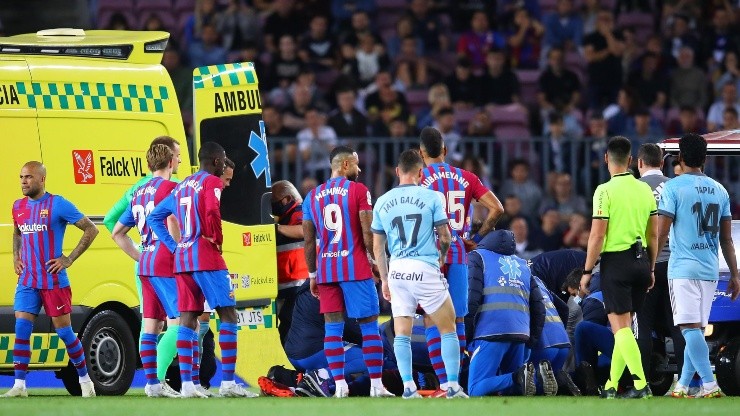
279	209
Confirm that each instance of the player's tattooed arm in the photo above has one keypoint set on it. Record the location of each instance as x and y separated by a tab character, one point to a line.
89	232
495	210
17	262
445	239
366	218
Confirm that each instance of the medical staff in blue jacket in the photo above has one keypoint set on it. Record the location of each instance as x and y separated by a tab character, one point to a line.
501	294
552	347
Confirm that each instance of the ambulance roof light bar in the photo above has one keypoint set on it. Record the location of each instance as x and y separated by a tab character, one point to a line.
62	31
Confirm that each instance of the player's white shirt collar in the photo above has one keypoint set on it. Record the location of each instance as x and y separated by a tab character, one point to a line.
652	172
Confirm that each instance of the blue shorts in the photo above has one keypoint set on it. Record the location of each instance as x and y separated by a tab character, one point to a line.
212	286
56	301
457	281
166	290
359	298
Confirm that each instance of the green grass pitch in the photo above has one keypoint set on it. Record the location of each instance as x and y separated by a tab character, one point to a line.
57	402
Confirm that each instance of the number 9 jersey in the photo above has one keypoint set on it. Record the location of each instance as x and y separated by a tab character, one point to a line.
154	262
334	208
456	189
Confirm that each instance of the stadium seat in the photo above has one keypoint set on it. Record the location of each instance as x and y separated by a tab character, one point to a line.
387	20
512	115
528	79
325	79
168	20
642	23
391	4
145	6
115	5
463	118
184	6
105	16
511	132
548	6
417	99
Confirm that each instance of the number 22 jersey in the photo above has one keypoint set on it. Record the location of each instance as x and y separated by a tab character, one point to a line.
156	260
334	208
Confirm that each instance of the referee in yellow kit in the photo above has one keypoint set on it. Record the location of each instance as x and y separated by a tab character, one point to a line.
624	232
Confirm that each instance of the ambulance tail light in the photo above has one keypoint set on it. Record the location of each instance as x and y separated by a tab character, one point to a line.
158	46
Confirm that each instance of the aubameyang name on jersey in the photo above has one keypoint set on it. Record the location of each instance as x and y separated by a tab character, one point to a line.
32	228
330	191
237	101
427	182
149	190
121	166
193	184
705	190
403	200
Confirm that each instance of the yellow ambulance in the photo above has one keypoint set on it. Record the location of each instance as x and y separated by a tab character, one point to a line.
87	104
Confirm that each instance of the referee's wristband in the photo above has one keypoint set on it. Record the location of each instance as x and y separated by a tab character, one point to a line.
588	271
311	275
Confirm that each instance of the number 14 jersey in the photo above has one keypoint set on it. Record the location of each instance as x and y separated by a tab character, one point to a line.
697	204
153	262
456	188
334	208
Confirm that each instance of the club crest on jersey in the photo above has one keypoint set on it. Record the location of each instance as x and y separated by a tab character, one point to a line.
44	213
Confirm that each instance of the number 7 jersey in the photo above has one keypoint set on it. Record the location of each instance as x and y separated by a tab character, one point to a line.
456	189
334	208
154	261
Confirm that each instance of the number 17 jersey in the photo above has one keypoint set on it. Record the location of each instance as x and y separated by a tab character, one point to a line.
334	208
697	204
456	188
156	260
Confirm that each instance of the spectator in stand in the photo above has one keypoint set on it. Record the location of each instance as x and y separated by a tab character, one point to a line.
681	37
576	226
348	62
444	121
387	114
438	98
464	87
565	200
688	82
239	24
589	14
404	29
295	115
428	27
307	185
343	10
118	22
512	209
649	84
285	65
475	43
360	27
559	86
688	122
525	248
182	77
560	146
523	187
715	116
315	143
154	23
475	164
525	41
250	53
550	235
619	113
205	14
346	120
480	126
207	51
282	153
563	29
720	38
371	58
499	85
730	119
595	171
641	128
729	72
384	94
632	50
506	9
397	128
603	52
412	70
666	61
283	20
318	50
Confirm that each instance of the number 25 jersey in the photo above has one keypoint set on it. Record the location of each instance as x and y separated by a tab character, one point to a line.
334	208
156	260
697	204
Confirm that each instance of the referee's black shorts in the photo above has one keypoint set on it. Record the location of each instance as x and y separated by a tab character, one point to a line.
624	280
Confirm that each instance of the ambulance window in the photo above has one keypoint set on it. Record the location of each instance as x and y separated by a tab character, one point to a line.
241	203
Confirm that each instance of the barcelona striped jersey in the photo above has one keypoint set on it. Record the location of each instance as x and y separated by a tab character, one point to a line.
456	189
196	203
156	260
334	208
42	223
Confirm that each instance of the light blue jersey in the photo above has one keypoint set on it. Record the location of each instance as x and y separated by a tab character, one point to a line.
407	215
697	204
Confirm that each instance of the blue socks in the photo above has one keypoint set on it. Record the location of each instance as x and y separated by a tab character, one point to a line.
148	355
451	357
22	347
402	348
372	349
227	342
435	353
460	329
698	354
185	337
334	348
74	349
